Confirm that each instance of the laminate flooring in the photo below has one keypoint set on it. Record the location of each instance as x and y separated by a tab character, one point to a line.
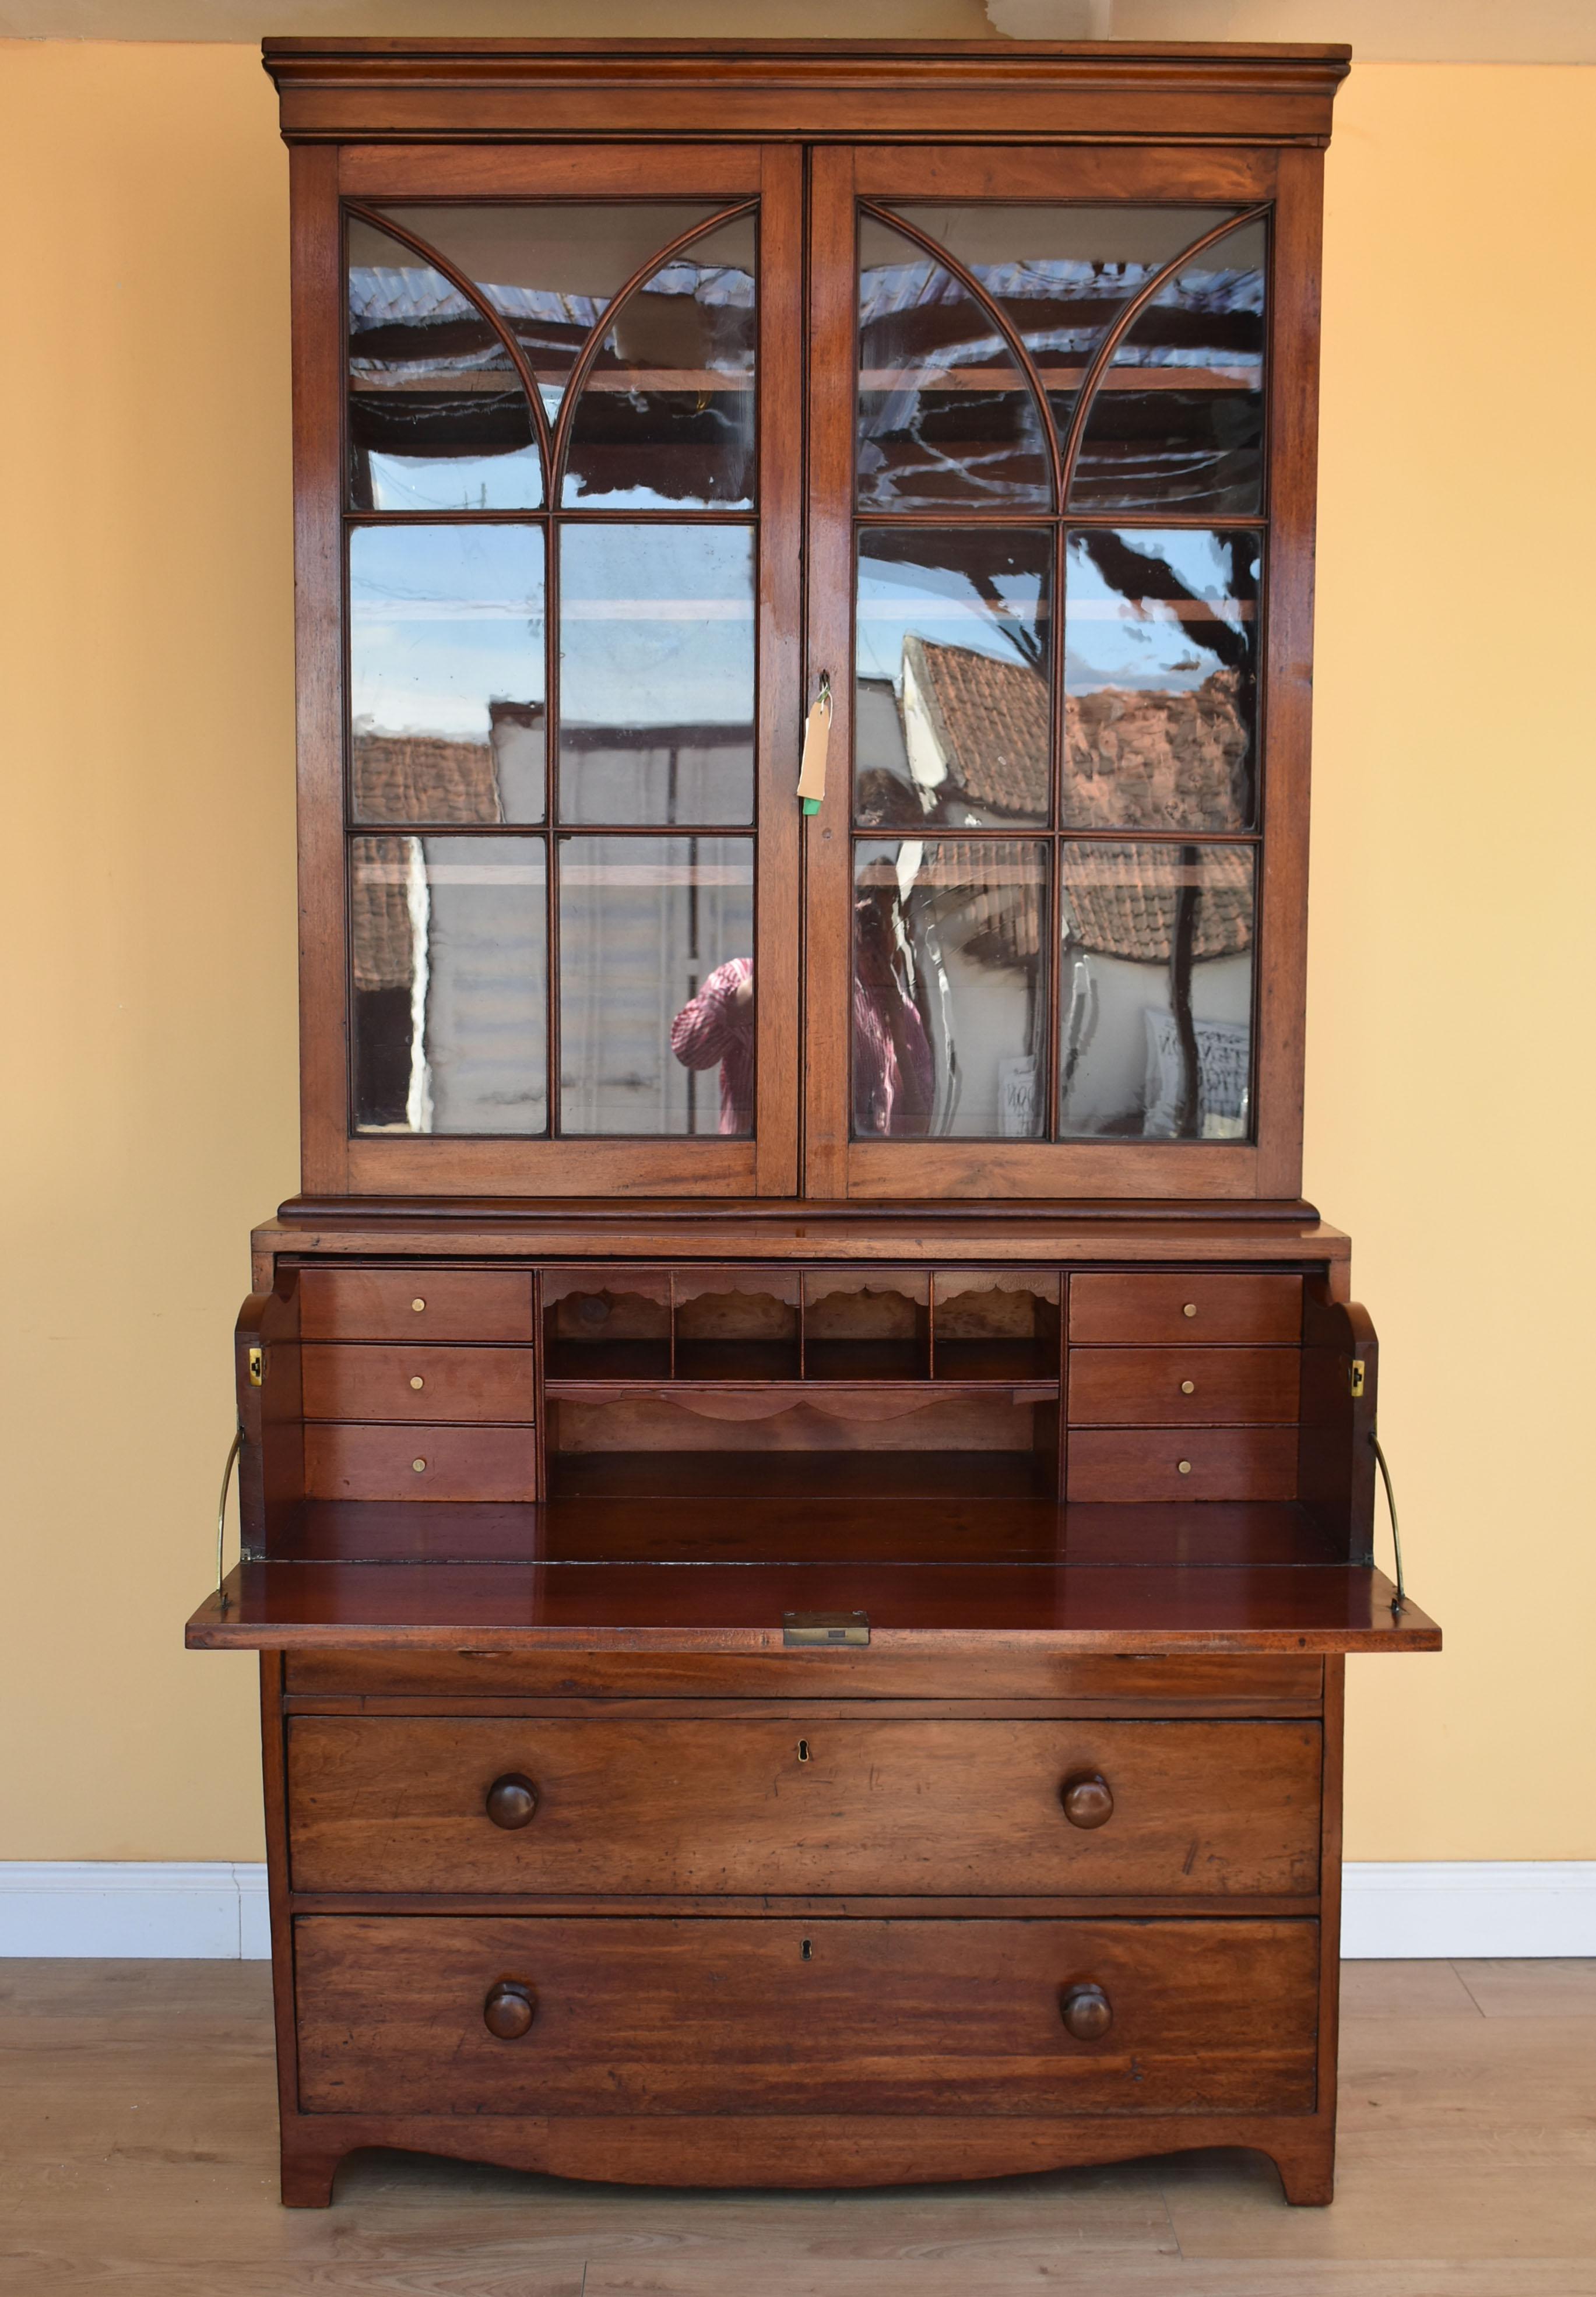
137	2129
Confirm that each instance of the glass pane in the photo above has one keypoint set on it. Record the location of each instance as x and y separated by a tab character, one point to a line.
1160	674
656	985
951	710
1177	422
550	268
1061	275
1155	1031
946	417
949	988
450	1016
656	674
667	413
446	673
438	418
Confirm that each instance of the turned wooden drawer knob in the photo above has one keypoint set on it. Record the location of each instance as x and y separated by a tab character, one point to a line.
1087	2012
510	2010
511	1801
1087	1798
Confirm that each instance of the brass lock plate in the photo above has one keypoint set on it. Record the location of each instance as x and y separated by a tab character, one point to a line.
256	1366
815	1630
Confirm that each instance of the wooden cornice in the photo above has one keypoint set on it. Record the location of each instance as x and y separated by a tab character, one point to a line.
414	91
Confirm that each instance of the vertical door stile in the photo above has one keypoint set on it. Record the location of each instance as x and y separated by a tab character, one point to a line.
1287	656
318	480
827	951
778	920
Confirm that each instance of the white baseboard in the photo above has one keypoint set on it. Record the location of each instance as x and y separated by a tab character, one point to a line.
1475	1909
215	1910
208	1910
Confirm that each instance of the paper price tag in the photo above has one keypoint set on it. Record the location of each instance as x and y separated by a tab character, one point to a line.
817	741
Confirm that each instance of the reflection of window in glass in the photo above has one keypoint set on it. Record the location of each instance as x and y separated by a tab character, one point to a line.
656	674
1155	1025
645	924
666	415
949	988
1060	275
447	938
446	673
952	707
947	418
1178	420
1160	678
550	269
438	417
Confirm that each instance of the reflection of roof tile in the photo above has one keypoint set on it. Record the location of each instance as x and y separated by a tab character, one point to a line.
990	720
1174	760
381	942
1122	899
422	778
1167	761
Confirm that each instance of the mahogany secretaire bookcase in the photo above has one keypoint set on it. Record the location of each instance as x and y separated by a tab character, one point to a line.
806	1473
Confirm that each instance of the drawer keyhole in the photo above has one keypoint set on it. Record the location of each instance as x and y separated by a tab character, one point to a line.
803	1750
806	1952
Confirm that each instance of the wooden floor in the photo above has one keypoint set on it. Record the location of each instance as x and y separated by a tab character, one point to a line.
137	2155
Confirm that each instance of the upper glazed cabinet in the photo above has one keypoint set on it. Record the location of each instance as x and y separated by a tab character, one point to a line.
614	462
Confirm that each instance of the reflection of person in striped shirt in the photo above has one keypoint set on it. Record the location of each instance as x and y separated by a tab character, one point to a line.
892	1059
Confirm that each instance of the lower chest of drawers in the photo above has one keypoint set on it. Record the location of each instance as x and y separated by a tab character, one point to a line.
659	1909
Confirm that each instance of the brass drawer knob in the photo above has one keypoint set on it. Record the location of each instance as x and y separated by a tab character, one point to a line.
1188	1387
510	2010
512	1801
417	1380
418	1467
1183	1466
416	1307
1189	1309
1088	1799
1087	2012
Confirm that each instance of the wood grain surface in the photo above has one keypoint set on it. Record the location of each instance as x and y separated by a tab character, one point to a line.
756	1804
663	2018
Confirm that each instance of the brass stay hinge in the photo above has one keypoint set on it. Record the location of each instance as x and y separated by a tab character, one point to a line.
1357	1376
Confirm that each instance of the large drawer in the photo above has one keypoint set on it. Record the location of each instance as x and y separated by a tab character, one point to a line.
784	1806
1180	1387
414	1304
1258	1310
364	1382
639	2016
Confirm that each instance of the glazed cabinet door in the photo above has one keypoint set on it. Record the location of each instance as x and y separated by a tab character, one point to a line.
549	556
1061	409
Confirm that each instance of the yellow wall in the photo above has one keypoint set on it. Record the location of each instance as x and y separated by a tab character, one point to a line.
146	963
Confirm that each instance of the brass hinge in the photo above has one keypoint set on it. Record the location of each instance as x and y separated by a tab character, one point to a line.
1357	1376
806	1630
256	1366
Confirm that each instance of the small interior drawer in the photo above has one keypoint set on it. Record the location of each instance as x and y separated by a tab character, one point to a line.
619	2016
1183	1387
361	1381
1183	1464
418	1303
1192	1306
348	1463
